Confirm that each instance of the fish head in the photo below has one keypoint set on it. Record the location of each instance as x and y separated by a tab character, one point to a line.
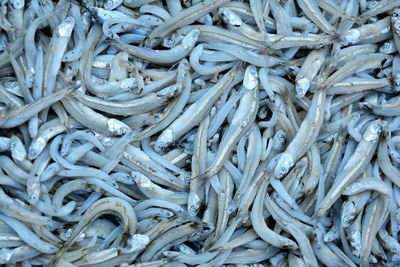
17	4
193	204
229	17
280	136
284	164
35	148
116	127
190	39
250	79
374	130
66	26
164	140
140	179
351	37
302	86
136	243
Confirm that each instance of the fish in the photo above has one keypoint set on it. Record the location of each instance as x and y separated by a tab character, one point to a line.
141	133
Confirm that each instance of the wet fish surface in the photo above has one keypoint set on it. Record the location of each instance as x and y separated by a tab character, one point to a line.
199	133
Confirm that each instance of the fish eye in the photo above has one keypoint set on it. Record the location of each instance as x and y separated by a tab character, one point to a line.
299	91
159	145
67	234
280	136
225	13
170	40
12	84
187	178
253	70
193	209
69	20
108	4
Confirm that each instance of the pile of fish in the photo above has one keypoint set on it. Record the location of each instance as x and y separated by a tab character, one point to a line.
199	133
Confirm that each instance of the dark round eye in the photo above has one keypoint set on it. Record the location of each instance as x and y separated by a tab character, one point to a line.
282	170
160	145
193	209
395	14
33	197
67	234
170	40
